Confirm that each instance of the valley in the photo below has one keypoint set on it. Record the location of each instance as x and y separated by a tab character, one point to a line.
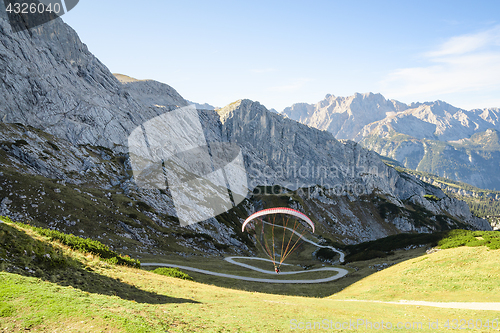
100	296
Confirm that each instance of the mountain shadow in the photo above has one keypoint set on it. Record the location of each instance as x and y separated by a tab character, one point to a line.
22	254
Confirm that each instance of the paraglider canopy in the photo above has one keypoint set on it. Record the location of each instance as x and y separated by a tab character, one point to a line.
279	231
278	210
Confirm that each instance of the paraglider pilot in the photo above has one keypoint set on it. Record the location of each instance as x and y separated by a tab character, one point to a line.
277	269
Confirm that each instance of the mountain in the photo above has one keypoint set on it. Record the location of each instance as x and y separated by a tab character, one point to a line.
64	161
204	106
437	120
52	82
344	117
433	137
341	176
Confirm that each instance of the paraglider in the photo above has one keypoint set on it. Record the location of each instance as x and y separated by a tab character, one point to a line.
279	232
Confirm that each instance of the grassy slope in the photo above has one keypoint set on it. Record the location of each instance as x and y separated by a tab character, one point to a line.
466	274
117	298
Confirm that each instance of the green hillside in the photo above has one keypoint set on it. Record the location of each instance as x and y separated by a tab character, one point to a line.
463	274
60	289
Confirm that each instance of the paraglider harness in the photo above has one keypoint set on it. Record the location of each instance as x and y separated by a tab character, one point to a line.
277	269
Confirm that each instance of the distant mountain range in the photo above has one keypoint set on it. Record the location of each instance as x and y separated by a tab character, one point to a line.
433	137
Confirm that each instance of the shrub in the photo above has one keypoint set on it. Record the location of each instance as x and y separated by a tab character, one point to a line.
325	254
394	242
367	255
172	272
387	208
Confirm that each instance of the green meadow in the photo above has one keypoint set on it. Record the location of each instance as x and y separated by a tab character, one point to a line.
48	286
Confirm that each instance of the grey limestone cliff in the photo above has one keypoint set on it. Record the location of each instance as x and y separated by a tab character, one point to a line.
50	80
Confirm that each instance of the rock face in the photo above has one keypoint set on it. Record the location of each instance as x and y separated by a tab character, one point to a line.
51	81
64	159
434	137
284	153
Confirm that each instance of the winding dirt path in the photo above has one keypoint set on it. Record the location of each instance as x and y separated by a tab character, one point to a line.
489	306
340	272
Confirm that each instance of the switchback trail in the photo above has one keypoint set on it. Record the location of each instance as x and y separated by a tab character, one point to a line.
341	272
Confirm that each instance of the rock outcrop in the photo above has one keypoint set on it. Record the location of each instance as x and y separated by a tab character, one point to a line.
51	81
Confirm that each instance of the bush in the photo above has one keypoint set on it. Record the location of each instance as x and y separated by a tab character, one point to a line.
84	245
367	255
431	197
172	272
387	208
456	238
394	242
326	254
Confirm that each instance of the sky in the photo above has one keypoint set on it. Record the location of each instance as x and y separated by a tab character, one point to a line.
285	52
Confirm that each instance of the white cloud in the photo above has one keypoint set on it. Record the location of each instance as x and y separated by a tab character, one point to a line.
467	43
462	64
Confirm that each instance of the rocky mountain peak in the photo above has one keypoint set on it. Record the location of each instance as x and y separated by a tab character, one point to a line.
344	116
52	82
489	115
370	104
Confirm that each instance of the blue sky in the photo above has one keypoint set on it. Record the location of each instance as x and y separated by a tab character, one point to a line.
285	52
